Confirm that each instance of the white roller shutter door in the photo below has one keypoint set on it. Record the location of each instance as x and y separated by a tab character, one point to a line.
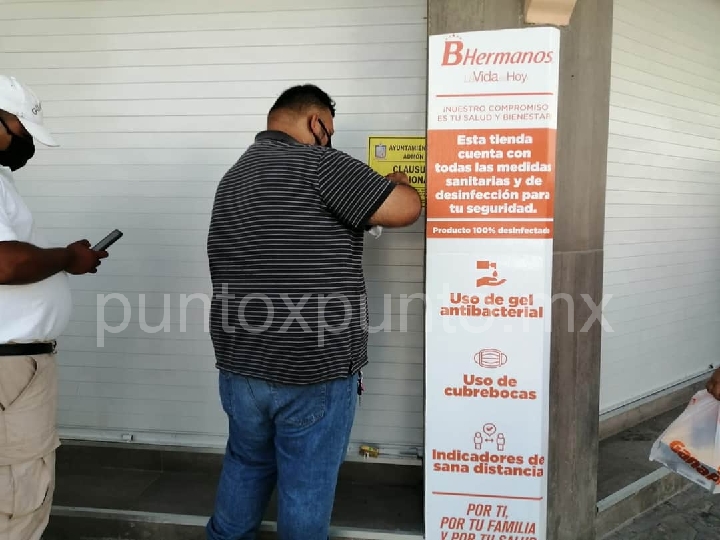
152	101
662	241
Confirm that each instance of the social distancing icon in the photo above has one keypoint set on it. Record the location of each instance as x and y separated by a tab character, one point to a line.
489	438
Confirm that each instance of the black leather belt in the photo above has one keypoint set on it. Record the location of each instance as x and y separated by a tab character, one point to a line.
26	349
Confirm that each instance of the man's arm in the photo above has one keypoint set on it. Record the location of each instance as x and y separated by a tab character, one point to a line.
402	207
22	263
360	197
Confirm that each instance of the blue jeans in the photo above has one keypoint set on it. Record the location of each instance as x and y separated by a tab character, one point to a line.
292	437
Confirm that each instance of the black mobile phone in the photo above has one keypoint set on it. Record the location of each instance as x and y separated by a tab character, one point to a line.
108	241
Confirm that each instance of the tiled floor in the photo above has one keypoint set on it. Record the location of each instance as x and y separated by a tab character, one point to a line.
388	499
369	496
691	515
624	458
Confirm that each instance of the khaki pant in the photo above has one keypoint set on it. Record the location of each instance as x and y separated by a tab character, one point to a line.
28	440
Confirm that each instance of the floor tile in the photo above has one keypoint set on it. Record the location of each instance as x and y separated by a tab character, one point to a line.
102	488
179	493
691	515
625	457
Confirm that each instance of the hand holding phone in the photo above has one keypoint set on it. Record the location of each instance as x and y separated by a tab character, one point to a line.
82	259
108	241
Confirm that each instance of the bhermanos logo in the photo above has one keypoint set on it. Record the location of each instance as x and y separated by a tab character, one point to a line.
456	54
694	463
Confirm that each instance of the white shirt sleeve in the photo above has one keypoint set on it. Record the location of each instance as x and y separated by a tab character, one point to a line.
7	233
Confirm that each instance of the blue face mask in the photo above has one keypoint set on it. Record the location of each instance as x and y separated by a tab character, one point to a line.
20	151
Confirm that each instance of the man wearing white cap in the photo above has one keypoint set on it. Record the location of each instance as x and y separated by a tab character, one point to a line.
35	306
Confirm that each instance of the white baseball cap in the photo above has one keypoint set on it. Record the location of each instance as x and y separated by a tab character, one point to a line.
19	100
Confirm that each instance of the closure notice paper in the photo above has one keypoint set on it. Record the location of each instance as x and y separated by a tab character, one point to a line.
399	154
492	118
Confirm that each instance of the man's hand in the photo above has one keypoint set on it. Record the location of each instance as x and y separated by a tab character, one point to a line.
83	260
713	385
399	177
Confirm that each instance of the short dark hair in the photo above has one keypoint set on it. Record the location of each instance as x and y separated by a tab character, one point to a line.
299	98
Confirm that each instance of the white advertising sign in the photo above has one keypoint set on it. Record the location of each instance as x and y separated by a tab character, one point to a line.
492	117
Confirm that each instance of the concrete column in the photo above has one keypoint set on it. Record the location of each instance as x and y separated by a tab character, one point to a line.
579	232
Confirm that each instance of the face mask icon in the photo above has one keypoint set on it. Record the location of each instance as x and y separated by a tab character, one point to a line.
491	358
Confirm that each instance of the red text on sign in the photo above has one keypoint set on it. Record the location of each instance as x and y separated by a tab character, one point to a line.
455	53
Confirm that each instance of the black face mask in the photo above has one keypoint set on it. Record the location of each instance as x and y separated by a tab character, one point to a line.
20	151
327	134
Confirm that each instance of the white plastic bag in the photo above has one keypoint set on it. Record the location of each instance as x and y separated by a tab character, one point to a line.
690	447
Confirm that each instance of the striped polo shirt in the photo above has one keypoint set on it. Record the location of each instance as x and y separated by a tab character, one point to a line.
285	250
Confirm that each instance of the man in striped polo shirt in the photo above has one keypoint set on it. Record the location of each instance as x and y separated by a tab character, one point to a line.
289	319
